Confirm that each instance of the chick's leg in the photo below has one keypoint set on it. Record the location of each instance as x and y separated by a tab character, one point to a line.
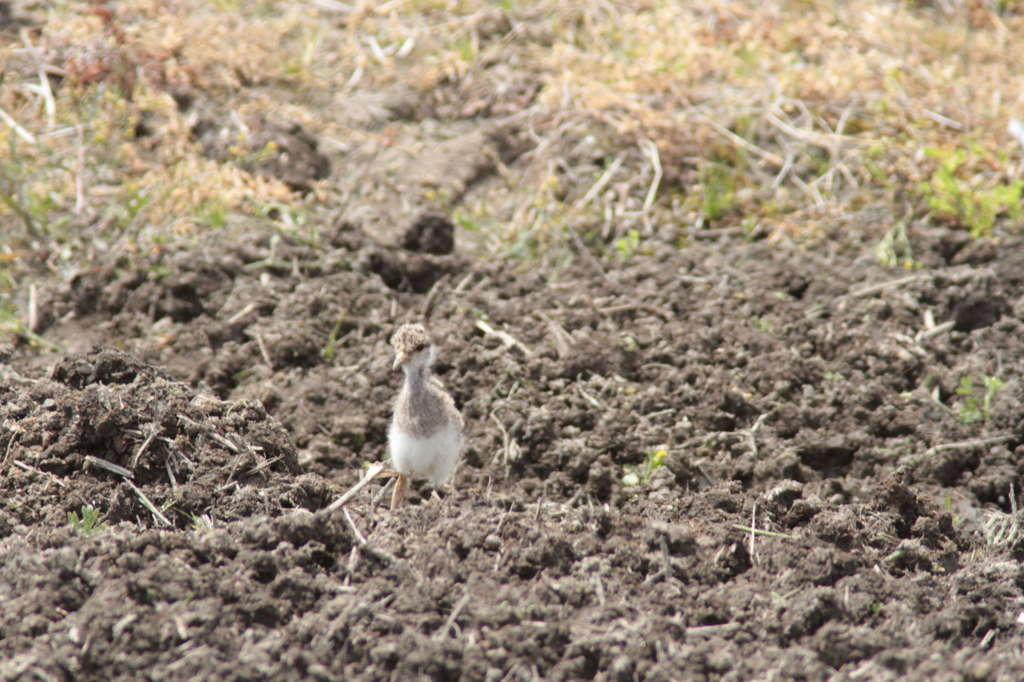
398	496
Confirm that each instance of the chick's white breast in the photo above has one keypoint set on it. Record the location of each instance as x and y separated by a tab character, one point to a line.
433	457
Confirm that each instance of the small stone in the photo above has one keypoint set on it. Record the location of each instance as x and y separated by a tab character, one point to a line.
622	669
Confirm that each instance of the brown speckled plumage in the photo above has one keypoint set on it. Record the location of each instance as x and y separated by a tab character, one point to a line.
425	436
422	408
409	337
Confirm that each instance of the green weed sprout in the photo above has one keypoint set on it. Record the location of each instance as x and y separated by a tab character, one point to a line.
974	207
86	525
894	248
634	476
719	191
970	410
628	245
1002	528
328	351
203	523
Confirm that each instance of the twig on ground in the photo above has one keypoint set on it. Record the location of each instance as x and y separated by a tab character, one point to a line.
373	472
712	630
907	546
504	516
626	307
109	466
714	234
142	448
666	560
80	172
464	282
148	505
587	256
385	489
809	136
33	308
599	589
456	610
7	454
943	120
242	313
576	497
822	308
540	502
935	331
601	183
52	477
875	288
29	467
353	563
509	446
561	339
736	139
434	296
19	131
263	350
968	444
1004	529
766	533
380	555
505	337
231	475
753	535
213	435
44	88
753	432
651	151
360	538
589	398
170	476
265	464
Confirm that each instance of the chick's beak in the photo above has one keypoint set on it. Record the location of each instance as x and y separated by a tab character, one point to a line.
400	359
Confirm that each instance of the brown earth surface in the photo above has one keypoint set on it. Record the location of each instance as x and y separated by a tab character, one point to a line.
834	501
244	383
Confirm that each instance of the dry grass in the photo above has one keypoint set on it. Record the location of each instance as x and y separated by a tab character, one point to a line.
646	119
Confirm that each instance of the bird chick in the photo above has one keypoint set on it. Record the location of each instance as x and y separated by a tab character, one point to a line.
425	436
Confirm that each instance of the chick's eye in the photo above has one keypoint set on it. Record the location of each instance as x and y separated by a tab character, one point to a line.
421	347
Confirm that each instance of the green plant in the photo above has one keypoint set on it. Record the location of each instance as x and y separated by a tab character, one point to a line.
970	410
332	339
718	185
203	524
11	326
967	202
86	524
750	226
28	182
635	475
213	214
894	248
127	213
1002	528
627	246
468	221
